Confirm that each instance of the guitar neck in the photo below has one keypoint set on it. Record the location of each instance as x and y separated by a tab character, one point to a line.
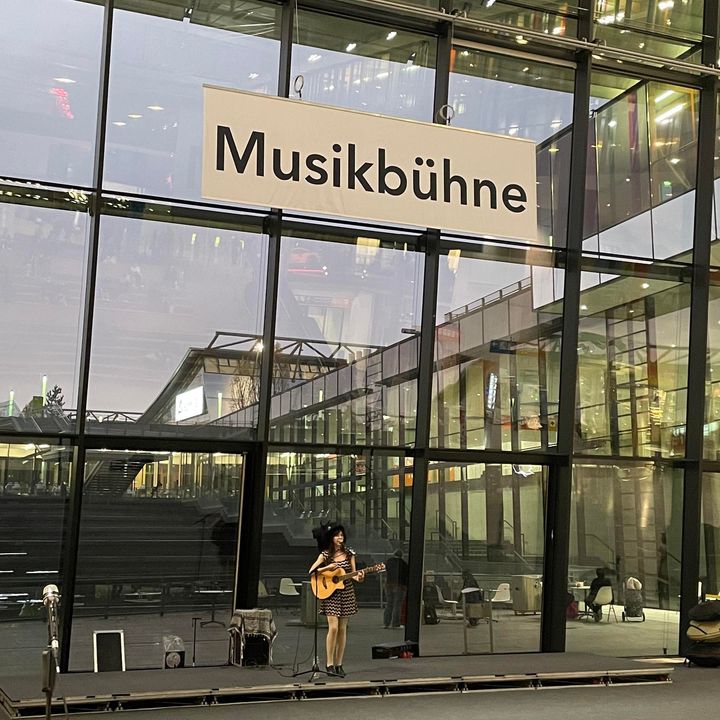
367	571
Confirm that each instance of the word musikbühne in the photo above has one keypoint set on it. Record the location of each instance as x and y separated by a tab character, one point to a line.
388	179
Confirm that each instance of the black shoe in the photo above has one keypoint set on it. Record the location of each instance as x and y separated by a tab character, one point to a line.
339	671
330	670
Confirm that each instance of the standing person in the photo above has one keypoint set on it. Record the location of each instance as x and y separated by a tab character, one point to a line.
396	586
342	603
473	596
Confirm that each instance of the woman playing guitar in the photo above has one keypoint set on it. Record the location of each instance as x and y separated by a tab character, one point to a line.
342	603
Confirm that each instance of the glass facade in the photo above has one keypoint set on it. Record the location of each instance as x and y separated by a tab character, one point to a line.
189	387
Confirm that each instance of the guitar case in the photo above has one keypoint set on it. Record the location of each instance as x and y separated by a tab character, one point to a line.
704	654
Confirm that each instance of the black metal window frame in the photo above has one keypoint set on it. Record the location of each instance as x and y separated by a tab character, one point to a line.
560	460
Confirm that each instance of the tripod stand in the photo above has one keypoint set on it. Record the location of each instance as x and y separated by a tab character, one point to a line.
315	668
48	679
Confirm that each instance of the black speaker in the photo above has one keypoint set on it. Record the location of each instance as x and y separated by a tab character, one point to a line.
256	651
401	648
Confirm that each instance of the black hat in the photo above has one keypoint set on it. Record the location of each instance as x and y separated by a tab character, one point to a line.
324	534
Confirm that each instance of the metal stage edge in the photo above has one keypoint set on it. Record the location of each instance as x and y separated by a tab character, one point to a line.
192	687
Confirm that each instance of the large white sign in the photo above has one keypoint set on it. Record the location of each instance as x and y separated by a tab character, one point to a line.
269	151
190	404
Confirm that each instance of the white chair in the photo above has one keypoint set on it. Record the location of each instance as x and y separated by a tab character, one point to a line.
263	593
501	594
288	587
452	603
604	596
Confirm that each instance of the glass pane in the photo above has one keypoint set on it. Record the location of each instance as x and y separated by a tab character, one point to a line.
35	485
178	319
527	99
711	433
641	178
370	495
160	62
42	258
366	67
625	533
656	27
549	16
632	365
49	81
484	549
497	352
158	545
710	534
347	341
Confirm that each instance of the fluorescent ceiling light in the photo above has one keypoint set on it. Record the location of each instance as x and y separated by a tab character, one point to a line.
662	117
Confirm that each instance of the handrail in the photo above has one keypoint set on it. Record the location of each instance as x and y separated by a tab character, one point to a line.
392	530
491	299
522	559
522	534
602	542
452	522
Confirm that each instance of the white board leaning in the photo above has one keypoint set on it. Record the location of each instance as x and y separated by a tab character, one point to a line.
274	152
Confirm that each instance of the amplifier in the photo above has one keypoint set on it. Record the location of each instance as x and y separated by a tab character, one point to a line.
401	648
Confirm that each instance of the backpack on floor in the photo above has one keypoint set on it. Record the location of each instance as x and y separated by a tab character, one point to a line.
430	614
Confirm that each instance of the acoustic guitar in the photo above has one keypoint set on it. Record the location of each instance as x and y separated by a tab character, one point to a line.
324	584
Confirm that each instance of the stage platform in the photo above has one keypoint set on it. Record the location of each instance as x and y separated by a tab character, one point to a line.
183	687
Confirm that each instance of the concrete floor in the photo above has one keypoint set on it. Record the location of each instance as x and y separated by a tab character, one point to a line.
694	692
22	641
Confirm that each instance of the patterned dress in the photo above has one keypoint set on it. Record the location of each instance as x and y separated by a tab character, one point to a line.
342	602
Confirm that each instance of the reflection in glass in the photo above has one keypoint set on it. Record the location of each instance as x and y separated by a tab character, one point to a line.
366	67
626	519
527	99
158	67
632	366
653	27
710	534
555	17
712	399
49	79
42	257
158	540
644	143
484	528
35	485
178	319
497	353
347	342
370	495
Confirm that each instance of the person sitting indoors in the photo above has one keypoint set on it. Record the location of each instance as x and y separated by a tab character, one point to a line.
595	585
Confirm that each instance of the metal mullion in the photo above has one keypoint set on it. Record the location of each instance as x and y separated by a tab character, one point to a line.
251	517
697	349
442	71
250	530
72	529
425	370
557	521
287	20
422	435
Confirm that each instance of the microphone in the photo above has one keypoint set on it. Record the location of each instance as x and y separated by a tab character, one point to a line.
51	597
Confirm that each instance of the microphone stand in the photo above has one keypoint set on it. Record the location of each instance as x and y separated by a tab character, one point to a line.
49	659
315	669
